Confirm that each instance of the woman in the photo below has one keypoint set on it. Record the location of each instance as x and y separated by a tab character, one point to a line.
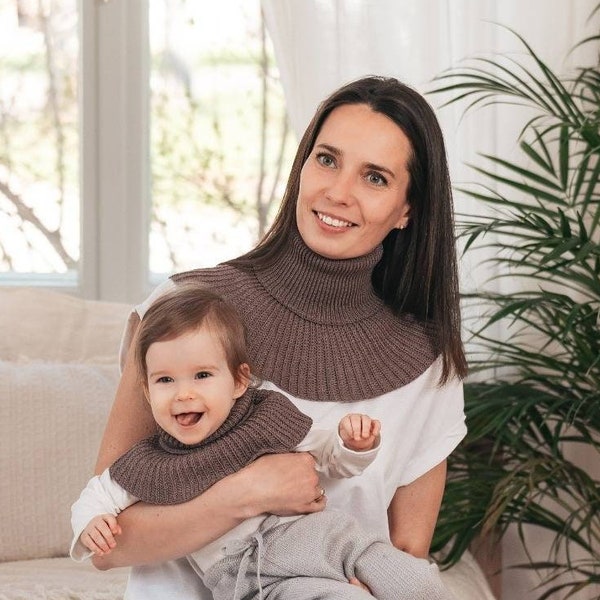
351	303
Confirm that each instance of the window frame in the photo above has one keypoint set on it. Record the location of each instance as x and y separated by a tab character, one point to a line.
115	179
114	169
114	67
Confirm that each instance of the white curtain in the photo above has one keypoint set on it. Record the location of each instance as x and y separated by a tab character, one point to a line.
321	44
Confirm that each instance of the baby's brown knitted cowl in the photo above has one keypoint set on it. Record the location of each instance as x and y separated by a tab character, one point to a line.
316	327
162	470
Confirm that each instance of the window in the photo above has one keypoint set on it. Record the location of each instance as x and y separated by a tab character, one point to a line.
39	132
164	121
218	132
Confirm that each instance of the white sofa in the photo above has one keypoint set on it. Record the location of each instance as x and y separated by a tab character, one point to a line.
58	373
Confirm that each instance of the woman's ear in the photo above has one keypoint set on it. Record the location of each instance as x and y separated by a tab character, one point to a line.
404	219
242	380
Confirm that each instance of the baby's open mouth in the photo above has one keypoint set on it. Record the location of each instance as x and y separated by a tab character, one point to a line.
188	418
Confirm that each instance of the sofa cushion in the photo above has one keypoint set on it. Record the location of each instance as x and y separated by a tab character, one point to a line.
52	416
46	325
60	579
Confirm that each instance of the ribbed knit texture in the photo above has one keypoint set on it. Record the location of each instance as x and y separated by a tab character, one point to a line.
317	329
162	470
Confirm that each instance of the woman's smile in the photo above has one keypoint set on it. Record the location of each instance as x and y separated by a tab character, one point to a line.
334	222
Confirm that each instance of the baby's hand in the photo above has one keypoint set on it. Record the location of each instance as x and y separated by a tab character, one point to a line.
359	432
99	534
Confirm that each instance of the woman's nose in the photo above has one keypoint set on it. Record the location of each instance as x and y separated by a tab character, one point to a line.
341	189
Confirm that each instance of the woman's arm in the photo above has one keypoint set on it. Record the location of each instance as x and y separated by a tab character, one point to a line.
280	484
130	419
413	513
414	510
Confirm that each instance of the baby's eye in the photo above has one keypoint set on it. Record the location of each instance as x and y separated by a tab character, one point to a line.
376	178
325	159
202	374
164	379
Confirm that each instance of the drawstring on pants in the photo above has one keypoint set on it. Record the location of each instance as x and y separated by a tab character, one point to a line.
255	542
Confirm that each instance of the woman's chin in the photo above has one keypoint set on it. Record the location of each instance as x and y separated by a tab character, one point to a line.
329	243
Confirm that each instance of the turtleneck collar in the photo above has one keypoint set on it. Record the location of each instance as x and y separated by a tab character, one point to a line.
317	329
319	289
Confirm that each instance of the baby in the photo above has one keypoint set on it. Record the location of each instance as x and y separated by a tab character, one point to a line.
211	422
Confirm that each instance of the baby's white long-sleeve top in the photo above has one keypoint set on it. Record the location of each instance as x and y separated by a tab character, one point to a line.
102	495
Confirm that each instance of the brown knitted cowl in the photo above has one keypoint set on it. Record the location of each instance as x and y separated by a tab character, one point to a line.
162	470
316	327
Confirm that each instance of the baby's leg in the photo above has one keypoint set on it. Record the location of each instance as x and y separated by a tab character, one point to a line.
313	588
335	546
225	584
392	574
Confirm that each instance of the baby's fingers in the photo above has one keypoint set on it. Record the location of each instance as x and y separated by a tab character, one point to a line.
105	529
99	539
113	524
357	425
345	428
363	427
375	427
95	542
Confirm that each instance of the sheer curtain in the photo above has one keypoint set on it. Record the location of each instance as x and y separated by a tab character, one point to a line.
321	44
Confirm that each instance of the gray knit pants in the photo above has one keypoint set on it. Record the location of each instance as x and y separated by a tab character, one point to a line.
312	558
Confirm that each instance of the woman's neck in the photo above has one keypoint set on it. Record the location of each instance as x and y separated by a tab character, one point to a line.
320	289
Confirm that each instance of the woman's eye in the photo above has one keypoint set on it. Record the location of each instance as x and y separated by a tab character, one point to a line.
325	159
376	179
202	375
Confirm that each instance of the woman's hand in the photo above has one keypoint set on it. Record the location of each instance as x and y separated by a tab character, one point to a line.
282	484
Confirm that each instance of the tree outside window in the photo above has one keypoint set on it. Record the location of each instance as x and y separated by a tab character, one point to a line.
219	141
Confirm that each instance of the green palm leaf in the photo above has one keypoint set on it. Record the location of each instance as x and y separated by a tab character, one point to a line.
534	353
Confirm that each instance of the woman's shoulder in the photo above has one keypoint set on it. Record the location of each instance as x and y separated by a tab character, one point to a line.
211	277
156	293
222	278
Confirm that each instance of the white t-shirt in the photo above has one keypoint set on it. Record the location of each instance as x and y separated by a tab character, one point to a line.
422	423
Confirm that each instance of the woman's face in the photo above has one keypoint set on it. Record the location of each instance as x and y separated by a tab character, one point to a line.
353	185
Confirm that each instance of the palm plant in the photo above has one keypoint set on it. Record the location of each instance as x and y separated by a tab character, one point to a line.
541	392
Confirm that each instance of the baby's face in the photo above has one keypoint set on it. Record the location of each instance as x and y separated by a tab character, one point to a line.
190	387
